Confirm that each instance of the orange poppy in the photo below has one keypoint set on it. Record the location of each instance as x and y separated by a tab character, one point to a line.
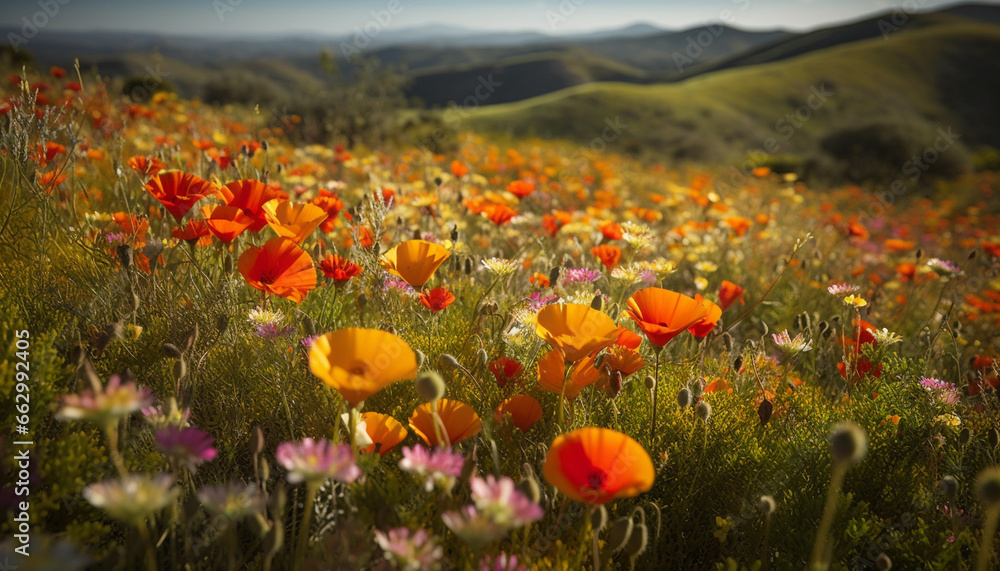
899	246
739	224
415	261
360	362
385	431
250	196
552	371
707	323
499	214
608	255
149	166
331	204
540	280
522	410
505	370
729	293
663	314
596	465
718	386
225	222
280	267
619	362
458	169
339	269
460	421
363	235
192	232
293	220
521	188
437	299
179	191
628	339
575	330
611	231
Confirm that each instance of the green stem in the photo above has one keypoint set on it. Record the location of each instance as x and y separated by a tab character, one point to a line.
562	394
986	547
150	548
656	390
111	431
819	560
303	544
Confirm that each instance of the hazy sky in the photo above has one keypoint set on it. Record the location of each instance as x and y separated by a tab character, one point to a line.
241	17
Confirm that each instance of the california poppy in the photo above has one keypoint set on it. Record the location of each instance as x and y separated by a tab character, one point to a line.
608	255
280	267
552	371
331	204
739	224
437	299
360	362
611	231
862	365
458	169
293	220
459	419
149	166
706	324
522	410
521	188
385	431
250	196
178	191
729	293
505	370
575	330
596	465
628	339
415	261
499	214
195	231
225	222
340	269
663	314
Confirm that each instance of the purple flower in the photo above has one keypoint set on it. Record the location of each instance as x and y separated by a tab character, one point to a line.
438	466
536	301
503	502
393	283
313	461
580	276
946	393
273	330
308	341
502	562
416	550
189	445
648	277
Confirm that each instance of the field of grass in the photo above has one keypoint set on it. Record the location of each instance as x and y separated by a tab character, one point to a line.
220	350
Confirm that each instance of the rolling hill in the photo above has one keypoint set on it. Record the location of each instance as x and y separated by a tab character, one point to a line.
925	78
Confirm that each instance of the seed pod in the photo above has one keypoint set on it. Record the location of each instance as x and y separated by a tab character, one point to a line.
619	534
430	386
882	562
703	411
598	518
180	369
636	545
684	398
738	363
988	486
420	357
650	382
172	351
727	341
554	275
454	233
993	437
483	357
447	362
848	442
468	266
764	411
263	144
965	436
125	255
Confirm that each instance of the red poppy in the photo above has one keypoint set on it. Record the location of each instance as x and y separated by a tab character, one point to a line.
340	269
729	293
540	280
664	314
437	299
862	365
458	169
332	205
225	222
505	370
707	323
499	214
608	255
149	166
194	231
596	465
521	188
179	191
611	231
280	267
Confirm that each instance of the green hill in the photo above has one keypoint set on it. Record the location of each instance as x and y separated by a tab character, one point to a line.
894	92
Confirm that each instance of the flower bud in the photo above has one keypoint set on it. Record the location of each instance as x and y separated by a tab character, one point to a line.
619	534
988	486
447	362
597	302
598	518
703	411
848	442
684	398
172	351
650	382
766	505
125	255
949	486
637	543
882	562
965	436
420	357
430	386
993	437
483	357
180	369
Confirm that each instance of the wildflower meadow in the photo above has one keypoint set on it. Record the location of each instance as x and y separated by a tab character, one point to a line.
225	348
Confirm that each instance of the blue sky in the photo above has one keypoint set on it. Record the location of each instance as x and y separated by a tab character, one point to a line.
271	17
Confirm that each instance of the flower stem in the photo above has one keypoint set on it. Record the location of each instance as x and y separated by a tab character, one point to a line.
819	560
656	387
150	547
307	509
562	394
111	432
986	547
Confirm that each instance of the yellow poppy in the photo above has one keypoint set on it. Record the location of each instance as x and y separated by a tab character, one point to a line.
576	330
360	362
415	261
459	419
293	220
